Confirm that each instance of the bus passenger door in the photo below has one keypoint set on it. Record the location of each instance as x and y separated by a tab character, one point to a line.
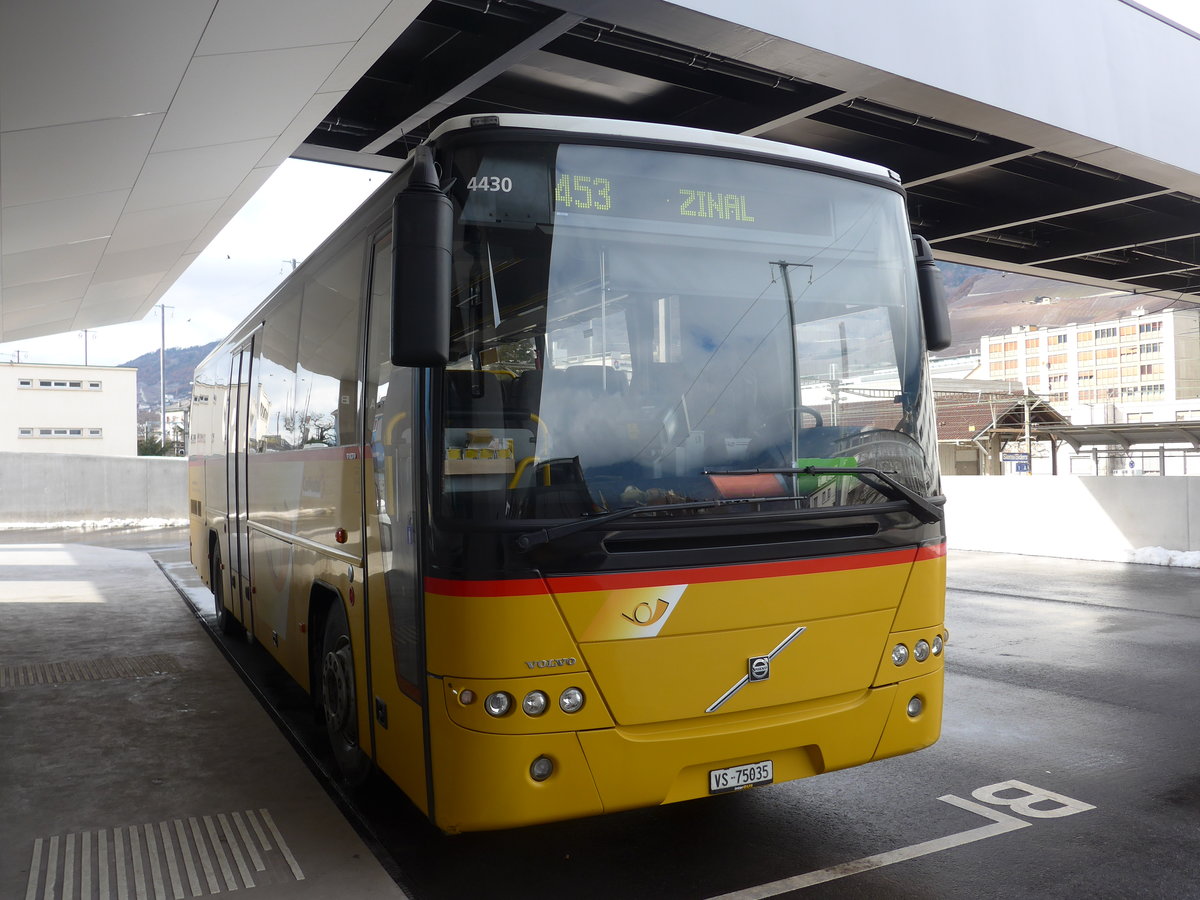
393	527
239	422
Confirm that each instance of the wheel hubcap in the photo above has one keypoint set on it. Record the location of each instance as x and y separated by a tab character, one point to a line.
336	679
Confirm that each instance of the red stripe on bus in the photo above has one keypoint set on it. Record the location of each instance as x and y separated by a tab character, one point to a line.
579	583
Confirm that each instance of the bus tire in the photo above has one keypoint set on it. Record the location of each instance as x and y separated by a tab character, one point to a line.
339	701
226	623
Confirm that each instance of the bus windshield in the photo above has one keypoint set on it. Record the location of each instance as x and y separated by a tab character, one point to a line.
638	328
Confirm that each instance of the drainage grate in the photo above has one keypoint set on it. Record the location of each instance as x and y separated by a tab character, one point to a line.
88	670
193	857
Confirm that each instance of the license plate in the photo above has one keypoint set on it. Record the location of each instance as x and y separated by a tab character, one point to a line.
737	777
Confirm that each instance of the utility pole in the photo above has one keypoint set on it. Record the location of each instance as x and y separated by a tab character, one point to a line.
86	332
1028	436
162	385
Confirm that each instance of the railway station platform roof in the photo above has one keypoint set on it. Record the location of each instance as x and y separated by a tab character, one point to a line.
1034	137
1139	434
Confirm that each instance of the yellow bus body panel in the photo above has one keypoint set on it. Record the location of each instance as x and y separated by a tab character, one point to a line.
655	661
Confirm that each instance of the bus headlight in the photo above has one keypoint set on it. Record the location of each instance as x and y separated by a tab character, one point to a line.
899	654
921	650
937	645
571	700
497	704
535	704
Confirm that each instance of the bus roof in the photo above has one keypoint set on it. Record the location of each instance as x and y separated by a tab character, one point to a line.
677	134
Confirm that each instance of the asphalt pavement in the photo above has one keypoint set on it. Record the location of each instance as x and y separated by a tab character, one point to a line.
1068	767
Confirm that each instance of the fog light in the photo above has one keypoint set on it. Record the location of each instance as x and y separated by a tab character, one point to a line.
535	704
915	706
571	700
921	651
541	768
937	645
899	654
497	704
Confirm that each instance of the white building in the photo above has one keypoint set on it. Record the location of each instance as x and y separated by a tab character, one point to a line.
1142	368
68	409
1127	373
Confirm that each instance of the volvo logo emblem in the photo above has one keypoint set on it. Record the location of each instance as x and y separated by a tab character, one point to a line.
758	668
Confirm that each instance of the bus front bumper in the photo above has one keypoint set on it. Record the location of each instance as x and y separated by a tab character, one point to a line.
486	781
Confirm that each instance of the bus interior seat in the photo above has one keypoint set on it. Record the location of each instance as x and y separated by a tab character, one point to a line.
473	398
558	489
525	393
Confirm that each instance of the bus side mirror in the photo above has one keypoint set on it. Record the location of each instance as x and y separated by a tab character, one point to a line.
422	239
934	311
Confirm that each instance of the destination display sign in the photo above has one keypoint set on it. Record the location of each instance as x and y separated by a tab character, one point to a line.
549	184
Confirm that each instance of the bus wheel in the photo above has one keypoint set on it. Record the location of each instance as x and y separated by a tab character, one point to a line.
226	623
339	704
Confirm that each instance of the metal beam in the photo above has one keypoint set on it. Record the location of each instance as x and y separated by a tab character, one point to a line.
1050	216
1130	245
494	69
975	167
806	112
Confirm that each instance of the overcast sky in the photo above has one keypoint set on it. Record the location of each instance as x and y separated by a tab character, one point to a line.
287	219
300	205
1185	12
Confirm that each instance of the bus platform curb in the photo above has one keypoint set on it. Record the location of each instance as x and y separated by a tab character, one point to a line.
134	761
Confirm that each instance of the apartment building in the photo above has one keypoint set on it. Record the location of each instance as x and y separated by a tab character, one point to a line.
68	409
1144	367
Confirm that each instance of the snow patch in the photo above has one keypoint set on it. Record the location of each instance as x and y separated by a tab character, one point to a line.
1159	556
94	524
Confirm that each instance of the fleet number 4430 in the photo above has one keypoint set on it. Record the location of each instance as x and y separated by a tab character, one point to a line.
490	183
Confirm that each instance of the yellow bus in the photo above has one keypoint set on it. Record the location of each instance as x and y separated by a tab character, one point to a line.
590	465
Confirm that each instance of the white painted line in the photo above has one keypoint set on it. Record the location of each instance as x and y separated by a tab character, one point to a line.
160	890
69	870
209	874
248	842
172	867
282	845
51	869
231	839
102	852
1002	825
230	883
35	866
119	861
189	864
79	864
85	883
258	829
139	872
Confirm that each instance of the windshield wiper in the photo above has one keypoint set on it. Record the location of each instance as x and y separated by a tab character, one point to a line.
882	481
543	536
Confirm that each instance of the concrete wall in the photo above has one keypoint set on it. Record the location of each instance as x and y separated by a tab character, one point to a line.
64	487
1079	517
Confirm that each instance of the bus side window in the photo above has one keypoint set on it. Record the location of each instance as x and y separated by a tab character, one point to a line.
327	374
